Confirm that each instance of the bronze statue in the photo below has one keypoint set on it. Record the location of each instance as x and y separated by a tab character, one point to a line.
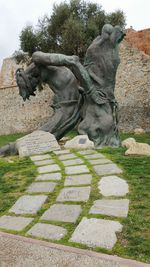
84	95
68	98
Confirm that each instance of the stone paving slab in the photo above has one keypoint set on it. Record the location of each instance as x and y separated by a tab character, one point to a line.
62	152
76	169
107	169
43	187
40	157
56	176
72	162
43	162
28	204
62	213
49	168
86	152
47	231
67	156
113	186
96	233
94	156
99	161
80	179
14	223
111	207
74	194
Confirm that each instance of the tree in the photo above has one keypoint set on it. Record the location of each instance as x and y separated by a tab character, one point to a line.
70	29
73	37
28	40
116	18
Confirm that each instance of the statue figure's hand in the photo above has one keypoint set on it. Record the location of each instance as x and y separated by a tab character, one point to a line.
98	97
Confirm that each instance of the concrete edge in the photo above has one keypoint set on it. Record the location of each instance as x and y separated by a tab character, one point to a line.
115	259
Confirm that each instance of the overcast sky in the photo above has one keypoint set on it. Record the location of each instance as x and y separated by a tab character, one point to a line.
16	14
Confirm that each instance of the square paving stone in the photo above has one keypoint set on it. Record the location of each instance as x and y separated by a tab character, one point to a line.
79	179
113	186
62	213
49	176
28	204
107	169
62	152
14	223
111	207
67	156
43	162
72	162
40	157
47	231
43	187
94	156
86	152
76	169
99	161
74	194
49	168
96	233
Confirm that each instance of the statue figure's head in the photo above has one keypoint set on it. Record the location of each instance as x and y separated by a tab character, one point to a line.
107	29
117	35
27	81
114	34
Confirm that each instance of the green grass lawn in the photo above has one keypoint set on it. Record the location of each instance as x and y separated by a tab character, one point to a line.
4	139
15	175
134	241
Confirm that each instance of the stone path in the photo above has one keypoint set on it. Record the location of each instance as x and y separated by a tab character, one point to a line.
61	194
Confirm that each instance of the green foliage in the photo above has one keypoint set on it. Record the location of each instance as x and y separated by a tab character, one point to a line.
20	56
28	40
70	29
43	38
73	30
116	18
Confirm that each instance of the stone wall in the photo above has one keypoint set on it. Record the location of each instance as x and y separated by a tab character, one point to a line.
16	115
7	74
139	39
133	88
132	92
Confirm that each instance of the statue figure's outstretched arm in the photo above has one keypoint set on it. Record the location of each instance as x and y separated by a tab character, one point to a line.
52	59
73	63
